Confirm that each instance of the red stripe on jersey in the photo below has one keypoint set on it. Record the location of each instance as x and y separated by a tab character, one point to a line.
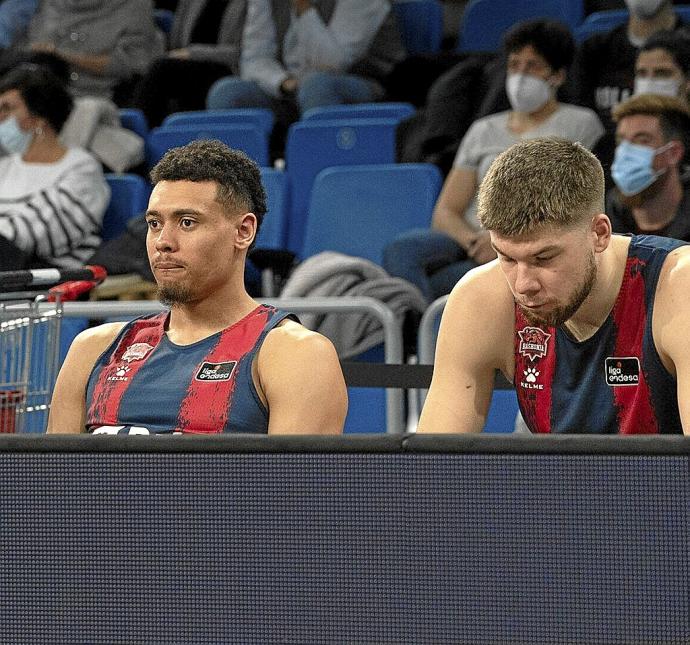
535	364
633	403
206	405
118	373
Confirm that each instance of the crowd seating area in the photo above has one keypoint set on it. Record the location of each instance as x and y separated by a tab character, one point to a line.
339	187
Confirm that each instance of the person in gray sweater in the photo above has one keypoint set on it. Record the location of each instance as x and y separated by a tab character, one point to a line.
104	43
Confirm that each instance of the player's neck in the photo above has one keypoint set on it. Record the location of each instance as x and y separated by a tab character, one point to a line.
194	321
598	305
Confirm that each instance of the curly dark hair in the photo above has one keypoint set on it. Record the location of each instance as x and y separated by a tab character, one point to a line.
44	93
237	176
550	38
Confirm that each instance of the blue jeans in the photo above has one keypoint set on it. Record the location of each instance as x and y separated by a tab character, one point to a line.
320	88
429	259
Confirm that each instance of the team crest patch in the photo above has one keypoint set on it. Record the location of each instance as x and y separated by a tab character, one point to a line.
215	371
623	370
533	342
136	352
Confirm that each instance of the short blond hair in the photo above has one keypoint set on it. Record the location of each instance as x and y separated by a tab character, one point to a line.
673	114
540	182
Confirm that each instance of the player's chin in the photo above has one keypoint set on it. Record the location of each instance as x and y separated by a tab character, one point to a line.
542	315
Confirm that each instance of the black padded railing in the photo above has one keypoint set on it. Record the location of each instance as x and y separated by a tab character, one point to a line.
361	539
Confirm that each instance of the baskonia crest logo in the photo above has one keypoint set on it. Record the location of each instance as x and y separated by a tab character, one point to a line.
136	352
533	342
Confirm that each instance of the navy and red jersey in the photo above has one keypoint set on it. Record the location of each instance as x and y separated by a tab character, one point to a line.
613	382
145	384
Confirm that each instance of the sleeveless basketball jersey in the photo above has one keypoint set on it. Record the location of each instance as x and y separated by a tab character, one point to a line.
613	382
145	384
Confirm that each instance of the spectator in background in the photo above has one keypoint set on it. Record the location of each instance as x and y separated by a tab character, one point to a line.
302	54
603	73
652	187
14	19
663	65
52	199
106	44
204	46
538	55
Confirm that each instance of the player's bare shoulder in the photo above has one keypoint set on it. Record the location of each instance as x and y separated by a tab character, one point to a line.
292	338
92	342
674	282
483	294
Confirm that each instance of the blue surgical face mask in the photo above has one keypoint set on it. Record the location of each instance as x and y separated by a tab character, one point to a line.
632	169
12	137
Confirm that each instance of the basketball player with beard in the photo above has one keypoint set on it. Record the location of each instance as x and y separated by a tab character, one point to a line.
590	327
652	192
216	361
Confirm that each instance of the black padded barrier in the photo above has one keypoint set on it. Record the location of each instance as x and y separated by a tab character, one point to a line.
366	539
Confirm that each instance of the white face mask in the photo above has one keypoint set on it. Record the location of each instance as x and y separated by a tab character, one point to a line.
12	137
527	93
644	8
663	86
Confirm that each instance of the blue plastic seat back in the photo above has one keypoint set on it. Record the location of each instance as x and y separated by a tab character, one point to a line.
357	210
484	22
129	196
421	25
273	231
134	119
398	111
317	144
259	117
366	409
603	21
248	138
164	19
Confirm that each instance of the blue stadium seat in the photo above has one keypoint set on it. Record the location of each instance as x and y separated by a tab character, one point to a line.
421	25
129	196
382	200
484	22
259	117
273	231
390	110
379	201
134	120
247	138
164	19
602	21
315	144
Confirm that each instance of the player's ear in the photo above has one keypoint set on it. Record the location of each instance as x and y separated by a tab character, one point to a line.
246	231
601	231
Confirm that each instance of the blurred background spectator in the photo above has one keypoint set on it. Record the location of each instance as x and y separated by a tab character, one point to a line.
603	72
663	65
107	45
297	55
652	186
52	198
204	46
538	54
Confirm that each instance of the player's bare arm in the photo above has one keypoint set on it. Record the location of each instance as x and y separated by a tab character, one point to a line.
298	373
670	325
68	406
475	339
